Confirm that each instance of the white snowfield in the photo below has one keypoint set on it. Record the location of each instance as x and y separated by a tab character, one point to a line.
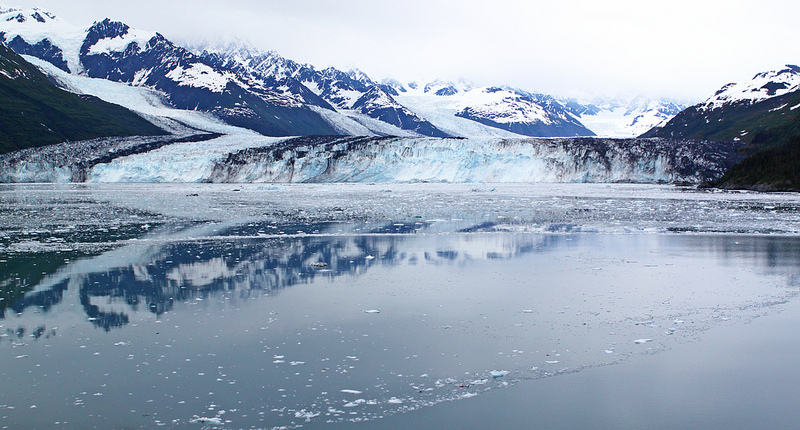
120	43
501	105
200	76
622	122
627	115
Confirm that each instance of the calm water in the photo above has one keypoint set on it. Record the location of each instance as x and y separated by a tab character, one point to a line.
197	306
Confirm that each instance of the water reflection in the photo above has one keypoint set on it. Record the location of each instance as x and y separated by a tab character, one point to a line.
262	259
154	278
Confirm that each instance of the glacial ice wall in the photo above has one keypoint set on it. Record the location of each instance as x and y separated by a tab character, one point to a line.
249	158
389	159
73	161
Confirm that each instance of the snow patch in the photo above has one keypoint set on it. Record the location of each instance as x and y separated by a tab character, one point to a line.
121	43
199	75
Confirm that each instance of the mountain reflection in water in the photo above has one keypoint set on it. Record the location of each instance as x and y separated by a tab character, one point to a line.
144	277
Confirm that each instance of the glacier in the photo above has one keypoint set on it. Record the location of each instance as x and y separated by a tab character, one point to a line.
250	158
554	160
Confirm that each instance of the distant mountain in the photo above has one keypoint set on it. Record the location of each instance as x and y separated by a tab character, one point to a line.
447	104
762	113
34	112
351	94
622	116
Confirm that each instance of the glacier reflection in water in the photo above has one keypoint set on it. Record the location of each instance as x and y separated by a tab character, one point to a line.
263	325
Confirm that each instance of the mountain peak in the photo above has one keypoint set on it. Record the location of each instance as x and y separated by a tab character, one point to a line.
358	75
25	15
762	86
240	48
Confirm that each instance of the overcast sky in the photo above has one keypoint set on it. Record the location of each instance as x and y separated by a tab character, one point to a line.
675	48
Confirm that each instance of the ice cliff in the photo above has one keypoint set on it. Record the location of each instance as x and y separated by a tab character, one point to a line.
252	158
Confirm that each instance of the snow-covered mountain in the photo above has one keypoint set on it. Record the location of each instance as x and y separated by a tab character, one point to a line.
113	51
462	109
276	96
761	111
622	116
352	94
762	86
243	89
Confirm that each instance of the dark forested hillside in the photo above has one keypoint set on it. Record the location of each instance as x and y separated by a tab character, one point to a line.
34	112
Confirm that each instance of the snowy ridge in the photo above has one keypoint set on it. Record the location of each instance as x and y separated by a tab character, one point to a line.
12	69
763	86
355	100
504	106
441	111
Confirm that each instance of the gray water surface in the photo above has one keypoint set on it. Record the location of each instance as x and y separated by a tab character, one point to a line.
130	307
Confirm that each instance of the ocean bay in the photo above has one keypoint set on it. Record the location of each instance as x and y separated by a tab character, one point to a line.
264	306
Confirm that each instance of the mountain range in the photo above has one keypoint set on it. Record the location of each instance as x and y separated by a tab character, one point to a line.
275	96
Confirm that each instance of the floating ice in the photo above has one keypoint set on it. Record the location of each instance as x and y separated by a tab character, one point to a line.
305	414
498	373
206	420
